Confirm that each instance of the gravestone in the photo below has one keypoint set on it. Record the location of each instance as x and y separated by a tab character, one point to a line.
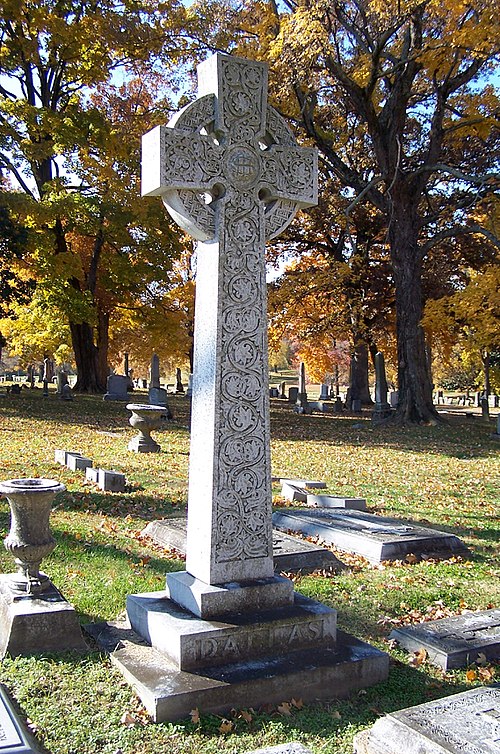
293	393
15	738
295	492
179	387
107	480
324	394
382	409
66	393
117	385
454	642
48	375
227	631
283	395
496	435
289	553
376	538
466	723
302	406
157	395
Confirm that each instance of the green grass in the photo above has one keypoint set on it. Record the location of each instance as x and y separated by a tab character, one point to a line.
445	476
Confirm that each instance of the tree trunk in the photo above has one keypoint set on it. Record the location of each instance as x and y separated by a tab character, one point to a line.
415	403
359	388
86	358
102	346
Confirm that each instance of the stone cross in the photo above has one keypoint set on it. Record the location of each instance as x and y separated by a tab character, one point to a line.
230	173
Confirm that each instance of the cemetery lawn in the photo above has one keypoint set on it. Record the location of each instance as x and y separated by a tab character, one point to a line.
445	477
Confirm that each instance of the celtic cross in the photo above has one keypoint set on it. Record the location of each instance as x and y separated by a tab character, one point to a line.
230	174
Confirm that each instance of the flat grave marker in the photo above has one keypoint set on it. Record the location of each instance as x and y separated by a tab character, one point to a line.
454	642
290	554
376	538
14	738
466	723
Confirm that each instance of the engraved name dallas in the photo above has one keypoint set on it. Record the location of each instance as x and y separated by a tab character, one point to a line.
262	637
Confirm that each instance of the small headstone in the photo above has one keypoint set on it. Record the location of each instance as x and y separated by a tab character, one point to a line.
14	738
466	723
338	405
274	392
66	393
60	456
454	642
292	394
189	391
324	392
283	391
62	380
376	538
117	386
77	462
109	481
394	398
356	406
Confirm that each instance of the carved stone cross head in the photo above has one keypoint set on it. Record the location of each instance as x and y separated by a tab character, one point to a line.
229	147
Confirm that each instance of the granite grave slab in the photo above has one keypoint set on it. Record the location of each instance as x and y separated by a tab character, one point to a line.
14	737
294	492
454	642
466	723
376	538
293	747
290	554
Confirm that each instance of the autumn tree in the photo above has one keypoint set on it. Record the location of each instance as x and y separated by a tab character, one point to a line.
64	150
411	81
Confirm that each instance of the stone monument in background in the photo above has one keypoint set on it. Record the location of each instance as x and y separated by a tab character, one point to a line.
227	631
157	395
382	409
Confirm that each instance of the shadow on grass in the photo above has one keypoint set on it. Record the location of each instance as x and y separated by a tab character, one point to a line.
460	439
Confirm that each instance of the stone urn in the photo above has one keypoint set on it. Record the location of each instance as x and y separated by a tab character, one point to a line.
29	539
145	417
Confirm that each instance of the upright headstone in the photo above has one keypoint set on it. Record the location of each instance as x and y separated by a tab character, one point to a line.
382	409
189	391
302	405
62	380
231	144
157	395
179	387
117	386
48	375
496	435
283	395
324	392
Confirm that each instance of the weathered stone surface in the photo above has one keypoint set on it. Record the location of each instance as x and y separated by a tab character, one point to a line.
117	385
289	553
194	643
109	481
14	738
77	462
313	484
467	723
170	694
377	538
35	625
209	600
334	501
454	642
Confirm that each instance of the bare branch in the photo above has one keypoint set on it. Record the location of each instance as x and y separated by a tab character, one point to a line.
459	230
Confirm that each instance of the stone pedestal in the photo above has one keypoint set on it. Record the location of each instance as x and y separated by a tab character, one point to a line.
34	625
145	418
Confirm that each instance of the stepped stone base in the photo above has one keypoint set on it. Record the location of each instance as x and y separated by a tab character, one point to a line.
170	694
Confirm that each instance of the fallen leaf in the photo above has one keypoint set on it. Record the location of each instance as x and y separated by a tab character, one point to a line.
418	658
128	719
297	703
336	715
195	715
247	717
471	675
284	709
226	726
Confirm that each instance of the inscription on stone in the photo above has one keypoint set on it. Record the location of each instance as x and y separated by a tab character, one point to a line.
467	723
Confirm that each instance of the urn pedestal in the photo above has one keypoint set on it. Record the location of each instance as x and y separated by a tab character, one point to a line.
145	418
34	616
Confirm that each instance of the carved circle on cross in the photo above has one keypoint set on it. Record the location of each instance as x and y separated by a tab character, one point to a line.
194	210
